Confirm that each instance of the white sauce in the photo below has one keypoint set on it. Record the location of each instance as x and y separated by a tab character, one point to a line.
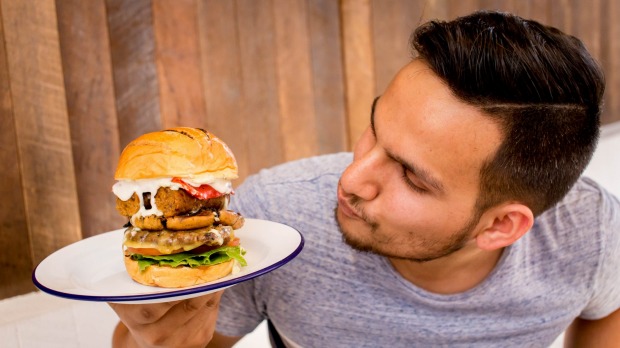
124	189
221	185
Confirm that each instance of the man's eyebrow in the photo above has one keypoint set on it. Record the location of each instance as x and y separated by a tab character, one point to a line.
421	173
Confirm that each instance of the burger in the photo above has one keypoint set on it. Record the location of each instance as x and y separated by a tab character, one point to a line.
174	187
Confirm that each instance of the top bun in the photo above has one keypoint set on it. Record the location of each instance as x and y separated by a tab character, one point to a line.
176	152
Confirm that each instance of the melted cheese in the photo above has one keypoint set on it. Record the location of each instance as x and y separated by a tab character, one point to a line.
163	245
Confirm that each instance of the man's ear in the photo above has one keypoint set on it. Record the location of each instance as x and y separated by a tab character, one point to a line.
505	224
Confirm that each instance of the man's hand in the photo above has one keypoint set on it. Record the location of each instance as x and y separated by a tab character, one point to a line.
187	323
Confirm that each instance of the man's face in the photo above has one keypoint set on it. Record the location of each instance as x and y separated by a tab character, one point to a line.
411	189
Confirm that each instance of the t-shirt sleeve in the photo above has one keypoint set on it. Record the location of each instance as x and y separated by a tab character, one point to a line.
606	291
239	312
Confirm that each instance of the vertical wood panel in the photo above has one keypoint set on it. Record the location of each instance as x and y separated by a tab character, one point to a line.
492	4
610	59
560	15
260	109
16	257
458	8
392	23
41	125
518	7
589	24
437	9
132	47
540	9
587	16
221	75
178	63
294	71
87	67
358	64
328	83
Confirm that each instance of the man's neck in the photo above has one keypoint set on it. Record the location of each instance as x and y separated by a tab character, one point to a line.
452	274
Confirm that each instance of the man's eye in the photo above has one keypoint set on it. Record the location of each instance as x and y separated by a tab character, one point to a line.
411	184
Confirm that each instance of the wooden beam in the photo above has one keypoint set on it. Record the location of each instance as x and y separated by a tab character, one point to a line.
89	88
14	236
359	65
132	49
177	56
41	126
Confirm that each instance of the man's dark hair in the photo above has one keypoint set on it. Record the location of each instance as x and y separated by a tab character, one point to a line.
540	85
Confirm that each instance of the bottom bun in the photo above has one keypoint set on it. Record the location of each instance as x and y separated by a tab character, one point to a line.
176	277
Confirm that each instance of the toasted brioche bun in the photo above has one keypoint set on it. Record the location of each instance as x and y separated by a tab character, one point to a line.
176	152
177	277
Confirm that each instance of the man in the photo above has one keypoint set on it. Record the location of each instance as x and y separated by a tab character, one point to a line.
462	218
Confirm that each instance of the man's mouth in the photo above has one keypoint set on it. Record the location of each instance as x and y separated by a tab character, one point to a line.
345	207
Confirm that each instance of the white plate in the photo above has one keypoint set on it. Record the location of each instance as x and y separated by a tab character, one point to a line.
93	270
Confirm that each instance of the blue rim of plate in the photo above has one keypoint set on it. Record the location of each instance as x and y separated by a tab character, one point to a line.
173	293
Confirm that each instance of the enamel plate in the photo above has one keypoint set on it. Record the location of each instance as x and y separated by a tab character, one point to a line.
93	270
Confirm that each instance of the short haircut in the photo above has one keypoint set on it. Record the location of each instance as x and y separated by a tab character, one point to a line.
541	86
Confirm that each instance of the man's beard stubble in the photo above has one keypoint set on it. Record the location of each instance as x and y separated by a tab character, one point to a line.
436	249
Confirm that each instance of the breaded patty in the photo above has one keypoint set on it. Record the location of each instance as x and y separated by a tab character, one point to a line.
171	203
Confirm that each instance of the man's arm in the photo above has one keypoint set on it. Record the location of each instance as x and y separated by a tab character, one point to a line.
600	333
220	341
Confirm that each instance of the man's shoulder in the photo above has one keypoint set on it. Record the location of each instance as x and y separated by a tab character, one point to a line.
586	211
305	169
288	188
588	196
581	234
571	243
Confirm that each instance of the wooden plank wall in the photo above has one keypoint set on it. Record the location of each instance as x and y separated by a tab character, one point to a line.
276	79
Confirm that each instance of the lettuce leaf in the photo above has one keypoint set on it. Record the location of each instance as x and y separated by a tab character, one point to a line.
208	258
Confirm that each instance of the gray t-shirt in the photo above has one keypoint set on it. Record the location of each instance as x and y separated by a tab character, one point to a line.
333	296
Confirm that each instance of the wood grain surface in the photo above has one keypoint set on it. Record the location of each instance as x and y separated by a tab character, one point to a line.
91	109
359	65
132	51
14	236
41	128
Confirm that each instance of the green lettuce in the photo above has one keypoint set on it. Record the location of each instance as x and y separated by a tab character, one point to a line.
208	258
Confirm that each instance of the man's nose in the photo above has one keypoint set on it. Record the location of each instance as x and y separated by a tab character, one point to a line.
364	176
